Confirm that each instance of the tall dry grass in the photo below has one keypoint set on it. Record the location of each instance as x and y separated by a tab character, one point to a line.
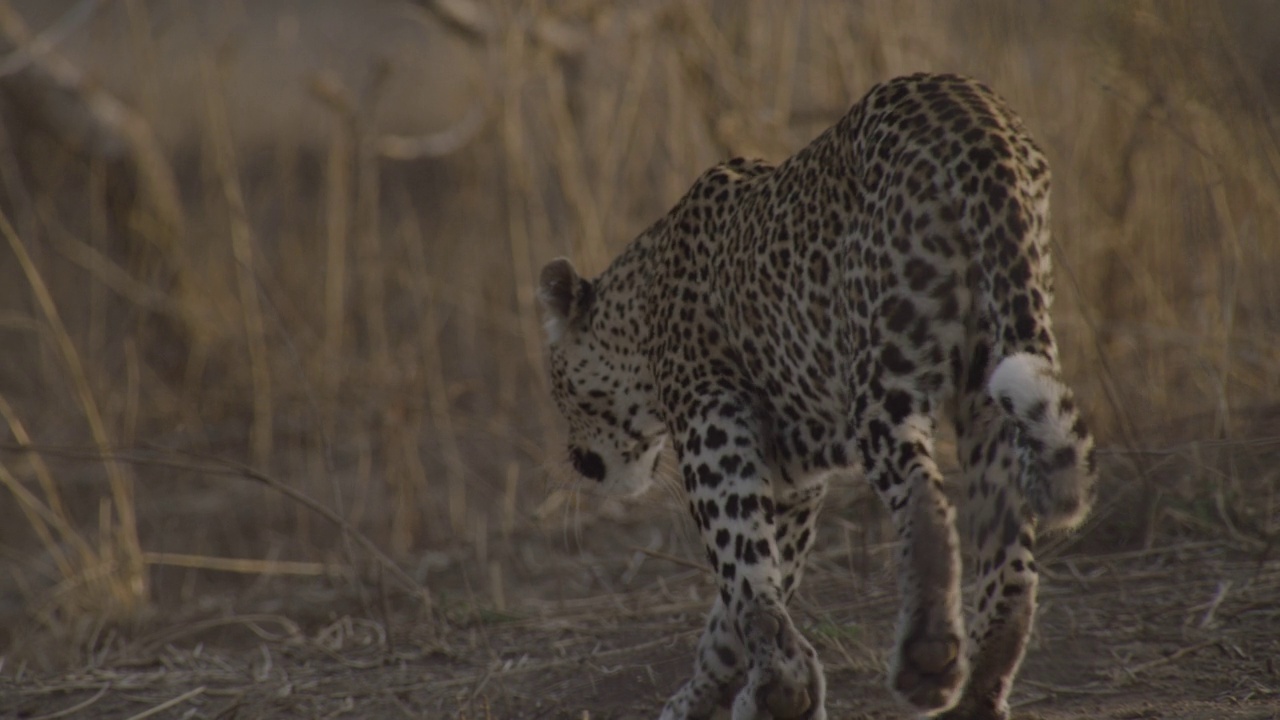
363	326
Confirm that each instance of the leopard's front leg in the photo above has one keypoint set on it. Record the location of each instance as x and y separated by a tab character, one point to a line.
750	638
929	666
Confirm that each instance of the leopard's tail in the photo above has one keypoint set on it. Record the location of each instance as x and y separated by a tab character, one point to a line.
1058	474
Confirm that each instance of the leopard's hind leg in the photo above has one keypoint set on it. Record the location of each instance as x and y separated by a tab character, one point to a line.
1001	534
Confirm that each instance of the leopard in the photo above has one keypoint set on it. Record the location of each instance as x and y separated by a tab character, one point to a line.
785	325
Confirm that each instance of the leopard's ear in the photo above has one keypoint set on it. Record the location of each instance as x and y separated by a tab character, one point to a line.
565	296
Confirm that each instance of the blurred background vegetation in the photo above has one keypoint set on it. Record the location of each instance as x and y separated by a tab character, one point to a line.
264	257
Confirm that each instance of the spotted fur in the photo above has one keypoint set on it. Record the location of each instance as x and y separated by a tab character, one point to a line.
782	323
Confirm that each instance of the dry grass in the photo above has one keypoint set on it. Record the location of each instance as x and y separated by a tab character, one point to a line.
360	328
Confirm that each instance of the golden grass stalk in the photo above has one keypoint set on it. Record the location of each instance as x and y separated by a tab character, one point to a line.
337	228
246	566
124	579
43	515
242	244
413	486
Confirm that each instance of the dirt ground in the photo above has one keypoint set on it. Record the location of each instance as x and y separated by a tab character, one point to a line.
1182	629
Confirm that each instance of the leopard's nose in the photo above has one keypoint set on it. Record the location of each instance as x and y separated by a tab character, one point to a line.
588	464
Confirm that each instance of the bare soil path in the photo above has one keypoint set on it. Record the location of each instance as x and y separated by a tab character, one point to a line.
1183	631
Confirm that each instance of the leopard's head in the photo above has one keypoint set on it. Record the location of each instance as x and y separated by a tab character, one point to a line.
600	382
